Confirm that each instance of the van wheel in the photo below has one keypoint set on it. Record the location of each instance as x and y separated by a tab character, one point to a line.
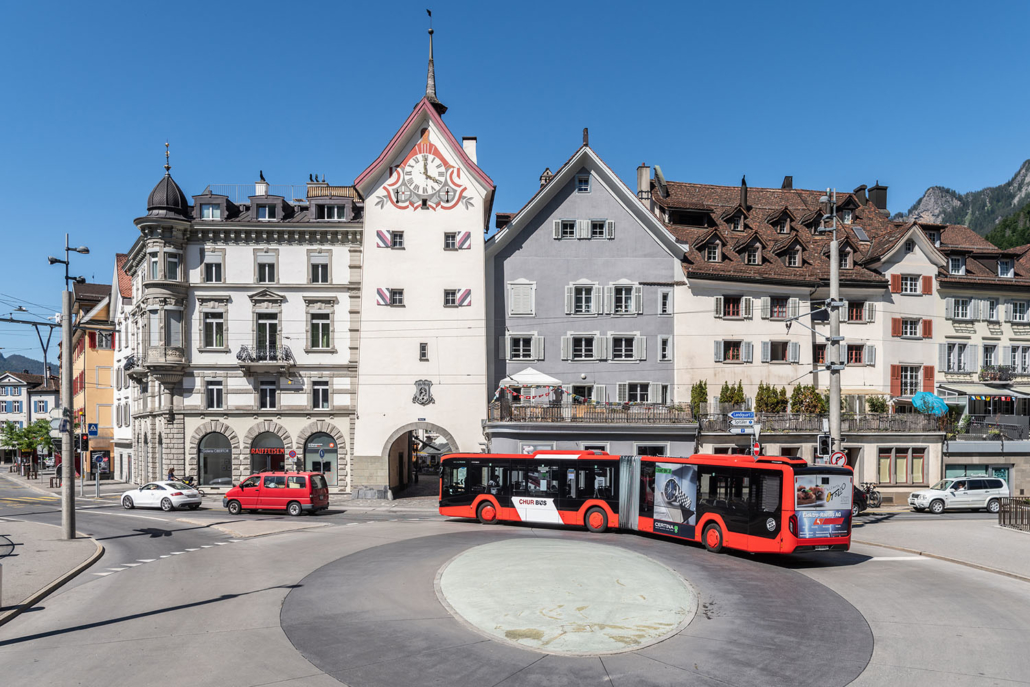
127	503
993	506
166	505
855	510
487	513
294	509
713	538
596	520
937	507
234	508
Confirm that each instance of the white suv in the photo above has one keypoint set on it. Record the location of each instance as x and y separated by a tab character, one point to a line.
961	492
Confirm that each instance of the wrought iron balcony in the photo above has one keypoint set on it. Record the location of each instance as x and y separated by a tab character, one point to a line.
134	368
265	357
850	422
601	413
1000	373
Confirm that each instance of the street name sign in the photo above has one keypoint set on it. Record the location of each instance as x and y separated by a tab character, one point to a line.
741	423
743	415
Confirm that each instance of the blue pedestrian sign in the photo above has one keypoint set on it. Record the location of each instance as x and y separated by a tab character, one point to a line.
743	415
92	429
321	453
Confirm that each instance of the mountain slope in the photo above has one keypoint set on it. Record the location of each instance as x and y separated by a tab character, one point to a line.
1012	231
19	363
979	210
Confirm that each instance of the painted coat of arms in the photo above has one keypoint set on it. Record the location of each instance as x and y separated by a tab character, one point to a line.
423	393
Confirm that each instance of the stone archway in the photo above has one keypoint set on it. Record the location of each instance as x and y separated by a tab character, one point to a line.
397	465
343	460
266	426
193	457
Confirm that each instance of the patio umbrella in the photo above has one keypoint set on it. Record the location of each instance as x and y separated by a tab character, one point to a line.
929	404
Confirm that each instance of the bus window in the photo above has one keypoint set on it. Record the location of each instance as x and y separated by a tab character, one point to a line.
647	489
604	483
542	481
495	479
454	480
518	479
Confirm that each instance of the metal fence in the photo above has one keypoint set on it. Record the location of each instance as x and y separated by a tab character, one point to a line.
1015	513
600	414
850	422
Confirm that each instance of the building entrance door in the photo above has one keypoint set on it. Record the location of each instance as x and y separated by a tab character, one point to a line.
321	455
267	335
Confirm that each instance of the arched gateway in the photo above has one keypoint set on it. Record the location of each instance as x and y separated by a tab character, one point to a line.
400	449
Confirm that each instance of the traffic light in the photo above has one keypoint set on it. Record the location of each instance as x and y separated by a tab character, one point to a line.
823	447
76	443
85	441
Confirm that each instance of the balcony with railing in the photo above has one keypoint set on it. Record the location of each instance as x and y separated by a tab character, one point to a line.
850	422
133	367
1002	373
259	358
161	358
600	413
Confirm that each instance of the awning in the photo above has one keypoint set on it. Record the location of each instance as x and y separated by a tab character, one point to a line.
530	377
983	391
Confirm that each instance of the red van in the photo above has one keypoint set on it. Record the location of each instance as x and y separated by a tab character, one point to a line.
294	492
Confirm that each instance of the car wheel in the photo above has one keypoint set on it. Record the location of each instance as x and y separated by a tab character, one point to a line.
166	505
855	510
194	506
487	513
596	519
993	506
127	503
937	507
713	538
294	509
234	508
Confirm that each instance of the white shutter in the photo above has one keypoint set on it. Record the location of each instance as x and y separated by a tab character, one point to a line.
609	229
718	306
974	309
942	357
598	394
718	351
566	347
566	396
844	311
794	352
1006	356
766	351
597	300
766	307
609	299
949	308
582	228
622	394
638	299
503	347
570	302
1008	311
746	352
653	392
537	348
793	307
972	358
745	306
870	311
557	228
869	355
640	348
602	344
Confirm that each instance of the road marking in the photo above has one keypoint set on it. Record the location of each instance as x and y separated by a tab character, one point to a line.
165	556
176	553
898	558
132	565
103	574
116	569
221	543
146	560
235	541
205	546
193	549
130	515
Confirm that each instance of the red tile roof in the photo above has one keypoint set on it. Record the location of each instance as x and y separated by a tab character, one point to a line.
124	280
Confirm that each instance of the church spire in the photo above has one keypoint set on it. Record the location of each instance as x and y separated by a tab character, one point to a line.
431	75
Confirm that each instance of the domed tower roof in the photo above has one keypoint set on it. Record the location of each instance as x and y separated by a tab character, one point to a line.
167	199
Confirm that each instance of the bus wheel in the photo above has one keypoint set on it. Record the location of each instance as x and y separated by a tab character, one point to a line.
596	520
713	538
486	513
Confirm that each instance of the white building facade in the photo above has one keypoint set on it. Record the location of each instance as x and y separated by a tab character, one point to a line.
121	316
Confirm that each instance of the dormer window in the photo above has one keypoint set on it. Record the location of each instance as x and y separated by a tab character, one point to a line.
934	236
794	258
845	259
335	212
210	211
846	216
1005	268
957	265
737	223
753	256
782	226
266	212
712	252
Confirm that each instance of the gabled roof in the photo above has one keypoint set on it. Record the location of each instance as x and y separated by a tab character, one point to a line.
748	238
124	280
602	173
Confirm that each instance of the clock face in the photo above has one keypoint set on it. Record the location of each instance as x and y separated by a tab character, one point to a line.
425	174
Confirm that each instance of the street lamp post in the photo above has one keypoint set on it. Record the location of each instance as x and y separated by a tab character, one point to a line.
67	459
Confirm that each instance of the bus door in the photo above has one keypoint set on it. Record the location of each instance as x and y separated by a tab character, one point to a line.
535	498
725	492
586	480
765	501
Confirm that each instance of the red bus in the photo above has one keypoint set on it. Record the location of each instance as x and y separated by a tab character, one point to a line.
751	503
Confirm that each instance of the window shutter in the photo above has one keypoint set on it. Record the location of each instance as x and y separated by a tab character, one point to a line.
602	344
984	309
928	378
895	286
745	307
718	306
566	347
927	329
870	311
942	356
597	300
113	346
537	348
746	352
383	239
465	240
793	307
870	355
582	228
557	228
1008	311
638	299
599	395
503	346
949	308
566	395
718	351
972	358
845	315
653	393
464	298
622	395
640	348
609	299
609	229
927	285
597	347
974	309
896	326
766	348
570	296
895	380
1006	356
766	307
92	339
382	296
794	352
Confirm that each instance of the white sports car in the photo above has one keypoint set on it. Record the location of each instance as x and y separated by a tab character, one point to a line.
163	495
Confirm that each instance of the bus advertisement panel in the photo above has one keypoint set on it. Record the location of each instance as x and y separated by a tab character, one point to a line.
823	505
675	503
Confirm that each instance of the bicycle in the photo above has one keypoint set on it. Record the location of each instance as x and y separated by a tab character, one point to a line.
192	483
873	497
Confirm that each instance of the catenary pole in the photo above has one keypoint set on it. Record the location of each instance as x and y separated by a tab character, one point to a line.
836	364
67	456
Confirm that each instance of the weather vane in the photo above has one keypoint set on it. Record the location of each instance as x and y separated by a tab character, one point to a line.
168	167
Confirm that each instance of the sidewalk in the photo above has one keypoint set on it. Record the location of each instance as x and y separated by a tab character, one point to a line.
36	560
979	543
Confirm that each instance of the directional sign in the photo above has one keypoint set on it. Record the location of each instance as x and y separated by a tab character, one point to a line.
742	423
742	430
839	458
55	423
56	412
93	429
743	415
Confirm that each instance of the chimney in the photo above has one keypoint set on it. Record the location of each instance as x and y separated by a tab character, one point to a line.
468	143
878	197
743	192
586	137
788	182
860	194
261	186
643	182
546	177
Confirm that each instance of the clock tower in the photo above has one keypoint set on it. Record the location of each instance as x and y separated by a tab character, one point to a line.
422	351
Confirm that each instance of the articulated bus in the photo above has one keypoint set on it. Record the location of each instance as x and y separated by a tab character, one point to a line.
751	503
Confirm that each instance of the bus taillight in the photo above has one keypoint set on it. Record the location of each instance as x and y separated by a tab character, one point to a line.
792	524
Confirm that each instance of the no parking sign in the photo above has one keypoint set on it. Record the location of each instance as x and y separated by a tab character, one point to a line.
839	458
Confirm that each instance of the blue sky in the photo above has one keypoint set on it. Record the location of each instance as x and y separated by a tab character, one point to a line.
835	94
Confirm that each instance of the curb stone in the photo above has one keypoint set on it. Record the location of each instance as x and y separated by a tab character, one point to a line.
968	564
49	589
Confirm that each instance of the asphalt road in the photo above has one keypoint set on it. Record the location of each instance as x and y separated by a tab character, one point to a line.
202	608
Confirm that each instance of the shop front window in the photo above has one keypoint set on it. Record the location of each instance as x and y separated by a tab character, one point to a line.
267	453
215	460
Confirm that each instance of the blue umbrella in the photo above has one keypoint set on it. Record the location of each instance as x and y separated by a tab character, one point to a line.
929	404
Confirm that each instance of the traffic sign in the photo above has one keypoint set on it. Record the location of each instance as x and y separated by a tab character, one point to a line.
839	458
55	423
293	454
56	412
93	429
742	423
742	430
743	415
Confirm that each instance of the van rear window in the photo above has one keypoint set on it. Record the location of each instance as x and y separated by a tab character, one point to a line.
318	482
295	482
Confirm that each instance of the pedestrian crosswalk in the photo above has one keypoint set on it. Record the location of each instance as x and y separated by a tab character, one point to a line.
20	501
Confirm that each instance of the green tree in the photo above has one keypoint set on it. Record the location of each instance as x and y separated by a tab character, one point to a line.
732	393
807	400
698	395
769	399
876	404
